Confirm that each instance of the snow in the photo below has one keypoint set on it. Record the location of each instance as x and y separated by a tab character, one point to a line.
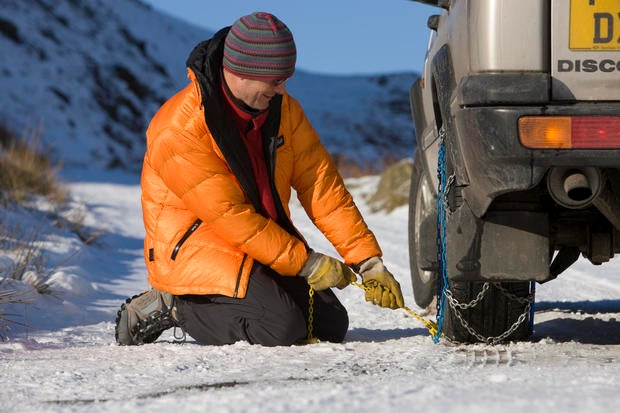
68	360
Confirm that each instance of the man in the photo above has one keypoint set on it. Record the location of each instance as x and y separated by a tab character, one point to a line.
224	260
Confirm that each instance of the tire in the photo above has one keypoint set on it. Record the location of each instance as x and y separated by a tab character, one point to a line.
422	206
495	314
498	310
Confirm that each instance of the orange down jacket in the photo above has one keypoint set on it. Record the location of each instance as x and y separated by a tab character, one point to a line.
204	227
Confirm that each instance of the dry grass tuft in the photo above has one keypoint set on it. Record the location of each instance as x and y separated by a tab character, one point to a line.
25	171
8	297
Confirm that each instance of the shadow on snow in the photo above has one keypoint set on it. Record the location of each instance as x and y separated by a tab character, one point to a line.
592	329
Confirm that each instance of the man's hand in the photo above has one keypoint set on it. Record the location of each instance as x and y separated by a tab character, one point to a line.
323	272
381	287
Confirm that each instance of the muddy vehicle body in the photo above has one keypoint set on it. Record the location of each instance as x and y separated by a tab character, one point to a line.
518	109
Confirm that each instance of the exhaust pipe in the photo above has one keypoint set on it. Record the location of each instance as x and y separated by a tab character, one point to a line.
574	188
578	188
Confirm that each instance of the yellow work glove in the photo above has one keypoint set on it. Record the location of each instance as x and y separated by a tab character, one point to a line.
381	287
323	272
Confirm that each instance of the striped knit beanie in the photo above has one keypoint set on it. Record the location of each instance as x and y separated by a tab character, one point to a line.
261	47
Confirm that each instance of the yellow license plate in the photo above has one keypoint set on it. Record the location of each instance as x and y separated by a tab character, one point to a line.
594	25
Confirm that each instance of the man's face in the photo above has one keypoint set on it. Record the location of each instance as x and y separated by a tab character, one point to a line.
256	93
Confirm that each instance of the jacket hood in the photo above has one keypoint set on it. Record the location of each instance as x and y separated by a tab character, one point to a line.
206	61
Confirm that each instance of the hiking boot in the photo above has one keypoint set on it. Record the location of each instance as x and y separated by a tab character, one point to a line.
143	317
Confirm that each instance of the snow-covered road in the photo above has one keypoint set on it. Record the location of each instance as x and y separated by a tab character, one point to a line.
388	362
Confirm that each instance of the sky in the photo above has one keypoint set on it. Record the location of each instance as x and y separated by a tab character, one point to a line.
332	36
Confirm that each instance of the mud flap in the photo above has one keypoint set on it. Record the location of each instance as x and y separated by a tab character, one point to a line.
503	245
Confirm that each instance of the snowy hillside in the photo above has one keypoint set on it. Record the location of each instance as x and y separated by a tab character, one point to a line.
90	74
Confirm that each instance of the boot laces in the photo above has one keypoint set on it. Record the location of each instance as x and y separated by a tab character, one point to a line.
153	325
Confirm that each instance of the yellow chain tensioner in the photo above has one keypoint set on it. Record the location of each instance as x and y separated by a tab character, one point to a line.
431	326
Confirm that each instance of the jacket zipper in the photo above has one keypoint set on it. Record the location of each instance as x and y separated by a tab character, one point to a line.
283	220
245	256
184	238
274	143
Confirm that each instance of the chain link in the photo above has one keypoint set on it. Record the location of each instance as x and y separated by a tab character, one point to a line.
514	297
464	306
311	339
450	180
499	338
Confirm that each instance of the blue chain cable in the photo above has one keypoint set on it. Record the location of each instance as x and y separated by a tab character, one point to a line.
532	305
442	281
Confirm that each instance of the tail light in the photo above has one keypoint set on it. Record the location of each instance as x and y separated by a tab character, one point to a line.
570	132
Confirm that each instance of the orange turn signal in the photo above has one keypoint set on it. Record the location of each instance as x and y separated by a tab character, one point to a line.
545	132
570	132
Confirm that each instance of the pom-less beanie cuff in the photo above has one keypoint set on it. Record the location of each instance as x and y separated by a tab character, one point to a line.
260	46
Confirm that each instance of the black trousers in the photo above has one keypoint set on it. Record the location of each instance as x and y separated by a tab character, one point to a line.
273	313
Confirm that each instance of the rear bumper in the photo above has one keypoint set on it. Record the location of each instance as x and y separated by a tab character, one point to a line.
496	163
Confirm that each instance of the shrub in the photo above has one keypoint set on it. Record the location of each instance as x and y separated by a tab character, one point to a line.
393	188
25	171
10	296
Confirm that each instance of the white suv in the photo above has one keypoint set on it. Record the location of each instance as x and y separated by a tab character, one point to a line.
517	118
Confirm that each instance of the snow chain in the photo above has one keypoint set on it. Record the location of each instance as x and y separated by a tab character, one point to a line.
429	324
442	203
456	306
444	295
311	339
